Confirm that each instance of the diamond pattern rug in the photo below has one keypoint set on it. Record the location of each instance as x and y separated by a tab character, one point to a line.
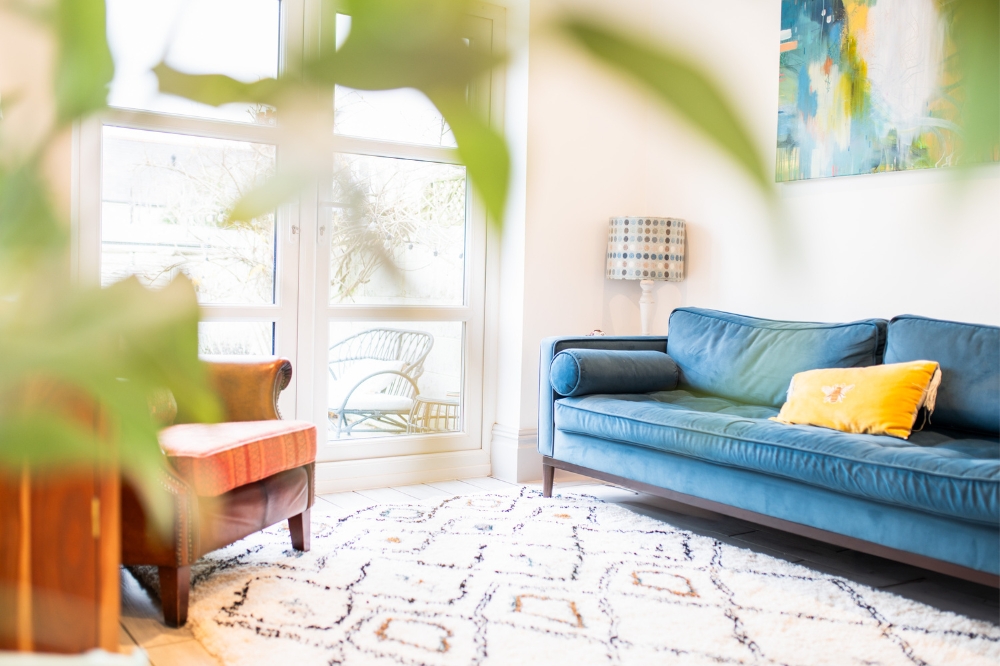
518	579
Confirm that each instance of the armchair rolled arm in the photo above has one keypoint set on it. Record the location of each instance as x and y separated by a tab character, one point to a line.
249	387
552	346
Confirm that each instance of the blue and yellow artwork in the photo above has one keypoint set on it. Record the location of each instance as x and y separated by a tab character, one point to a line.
865	86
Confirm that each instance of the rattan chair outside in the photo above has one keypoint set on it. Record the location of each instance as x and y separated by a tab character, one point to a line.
431	414
380	414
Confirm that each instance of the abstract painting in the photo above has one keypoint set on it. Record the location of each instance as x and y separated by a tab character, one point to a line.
865	87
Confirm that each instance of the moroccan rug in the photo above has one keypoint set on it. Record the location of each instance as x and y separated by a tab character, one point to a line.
520	579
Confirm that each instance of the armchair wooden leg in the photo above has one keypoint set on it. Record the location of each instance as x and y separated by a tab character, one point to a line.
175	582
548	474
299	527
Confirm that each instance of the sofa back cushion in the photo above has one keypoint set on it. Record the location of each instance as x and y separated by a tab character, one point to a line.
969	355
753	360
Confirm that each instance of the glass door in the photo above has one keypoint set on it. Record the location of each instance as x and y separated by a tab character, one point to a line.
401	278
373	283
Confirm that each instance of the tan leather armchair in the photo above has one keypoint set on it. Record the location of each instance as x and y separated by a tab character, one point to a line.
226	481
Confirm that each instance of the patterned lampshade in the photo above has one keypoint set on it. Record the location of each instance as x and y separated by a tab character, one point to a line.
646	248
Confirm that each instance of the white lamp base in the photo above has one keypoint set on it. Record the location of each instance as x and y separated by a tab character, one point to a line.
646	305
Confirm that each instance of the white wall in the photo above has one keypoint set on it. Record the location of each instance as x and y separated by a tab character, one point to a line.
834	249
27	102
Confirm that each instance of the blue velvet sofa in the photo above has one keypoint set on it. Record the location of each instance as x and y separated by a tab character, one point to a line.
932	500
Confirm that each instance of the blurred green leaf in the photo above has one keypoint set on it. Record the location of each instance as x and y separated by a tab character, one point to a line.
677	83
266	197
215	89
29	228
159	343
419	44
975	29
85	68
48	440
218	89
424	45
113	346
481	149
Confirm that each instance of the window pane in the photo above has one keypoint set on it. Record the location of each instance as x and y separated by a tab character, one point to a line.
403	115
398	232
386	403
164	203
250	338
234	37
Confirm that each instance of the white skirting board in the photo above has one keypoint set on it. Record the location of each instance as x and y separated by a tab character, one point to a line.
347	475
515	456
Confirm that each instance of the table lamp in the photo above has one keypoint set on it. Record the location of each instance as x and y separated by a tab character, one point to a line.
646	249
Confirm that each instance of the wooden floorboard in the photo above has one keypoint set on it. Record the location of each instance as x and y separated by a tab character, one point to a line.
422	491
945	597
385	496
142	626
350	501
605	493
490	484
125	642
142	617
789	544
873	574
327	510
188	653
456	488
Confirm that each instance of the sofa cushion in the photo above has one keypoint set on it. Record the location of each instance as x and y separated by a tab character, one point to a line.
215	458
879	400
753	360
969	354
584	371
939	472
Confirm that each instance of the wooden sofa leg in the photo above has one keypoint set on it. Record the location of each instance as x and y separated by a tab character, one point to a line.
548	474
174	585
299	527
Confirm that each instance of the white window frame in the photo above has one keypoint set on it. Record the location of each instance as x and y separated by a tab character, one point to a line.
301	309
283	312
471	313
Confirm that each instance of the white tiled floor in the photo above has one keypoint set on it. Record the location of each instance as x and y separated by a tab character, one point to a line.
142	625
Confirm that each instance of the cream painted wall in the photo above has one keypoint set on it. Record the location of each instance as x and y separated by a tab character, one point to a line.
833	249
27	104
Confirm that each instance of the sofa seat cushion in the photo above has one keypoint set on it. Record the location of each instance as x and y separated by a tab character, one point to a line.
218	457
944	473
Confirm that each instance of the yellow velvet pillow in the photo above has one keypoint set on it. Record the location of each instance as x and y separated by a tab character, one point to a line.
878	400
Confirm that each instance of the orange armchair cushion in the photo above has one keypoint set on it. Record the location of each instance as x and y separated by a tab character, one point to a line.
215	458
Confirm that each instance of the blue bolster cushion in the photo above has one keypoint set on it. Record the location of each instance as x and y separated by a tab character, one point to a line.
588	371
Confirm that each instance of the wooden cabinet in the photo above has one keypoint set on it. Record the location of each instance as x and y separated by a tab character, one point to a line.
59	560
